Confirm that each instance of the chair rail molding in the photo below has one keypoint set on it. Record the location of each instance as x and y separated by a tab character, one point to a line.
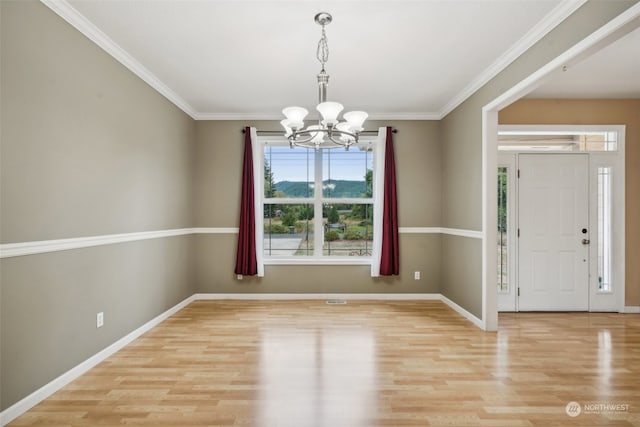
9	250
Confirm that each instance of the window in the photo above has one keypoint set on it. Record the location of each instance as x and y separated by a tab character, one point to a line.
604	229
560	140
503	211
318	204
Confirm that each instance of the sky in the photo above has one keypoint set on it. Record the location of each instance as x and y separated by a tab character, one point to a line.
297	164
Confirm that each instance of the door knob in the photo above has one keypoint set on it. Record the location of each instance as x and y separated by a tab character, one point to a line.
586	241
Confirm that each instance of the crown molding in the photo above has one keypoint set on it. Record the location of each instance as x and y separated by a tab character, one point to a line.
278	117
238	116
561	12
405	116
93	33
86	27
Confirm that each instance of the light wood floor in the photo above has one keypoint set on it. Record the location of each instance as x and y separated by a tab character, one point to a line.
305	363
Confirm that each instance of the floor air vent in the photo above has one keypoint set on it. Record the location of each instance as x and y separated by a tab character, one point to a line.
336	302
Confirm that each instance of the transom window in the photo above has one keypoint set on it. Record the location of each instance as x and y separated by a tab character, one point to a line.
562	140
318	204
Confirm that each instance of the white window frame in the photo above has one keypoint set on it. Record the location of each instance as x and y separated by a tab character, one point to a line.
507	299
317	201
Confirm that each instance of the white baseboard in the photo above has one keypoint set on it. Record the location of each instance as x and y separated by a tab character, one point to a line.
47	390
473	319
253	296
389	297
631	309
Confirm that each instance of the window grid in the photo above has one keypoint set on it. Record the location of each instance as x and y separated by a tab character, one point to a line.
315	236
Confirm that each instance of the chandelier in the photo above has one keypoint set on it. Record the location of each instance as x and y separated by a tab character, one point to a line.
329	132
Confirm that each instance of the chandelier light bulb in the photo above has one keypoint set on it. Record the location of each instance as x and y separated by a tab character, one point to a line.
344	127
355	120
295	116
329	111
318	137
286	126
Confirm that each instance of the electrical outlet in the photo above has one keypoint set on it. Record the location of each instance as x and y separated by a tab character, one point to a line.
99	320
416	275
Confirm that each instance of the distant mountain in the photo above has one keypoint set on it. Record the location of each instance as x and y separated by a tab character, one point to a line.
338	188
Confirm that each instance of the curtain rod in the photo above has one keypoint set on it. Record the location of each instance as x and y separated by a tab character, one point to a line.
278	132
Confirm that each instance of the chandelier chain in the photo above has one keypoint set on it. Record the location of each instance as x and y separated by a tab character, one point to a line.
329	132
322	53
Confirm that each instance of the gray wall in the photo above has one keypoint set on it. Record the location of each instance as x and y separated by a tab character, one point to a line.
87	149
462	148
219	149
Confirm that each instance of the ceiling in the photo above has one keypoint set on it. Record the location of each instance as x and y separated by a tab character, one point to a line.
405	59
612	72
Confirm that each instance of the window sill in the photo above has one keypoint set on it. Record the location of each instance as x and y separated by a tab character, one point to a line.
318	261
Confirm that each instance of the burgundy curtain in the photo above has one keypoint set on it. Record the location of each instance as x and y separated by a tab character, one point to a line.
246	262
390	257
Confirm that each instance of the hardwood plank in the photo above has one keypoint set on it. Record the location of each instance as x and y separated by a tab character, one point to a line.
367	363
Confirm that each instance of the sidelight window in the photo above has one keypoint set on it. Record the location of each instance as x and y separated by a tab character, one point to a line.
604	229
503	266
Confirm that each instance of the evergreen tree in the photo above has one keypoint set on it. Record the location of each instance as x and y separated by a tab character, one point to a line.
269	184
368	179
359	211
334	217
289	219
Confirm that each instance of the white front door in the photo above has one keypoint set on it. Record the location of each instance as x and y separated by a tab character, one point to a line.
553	247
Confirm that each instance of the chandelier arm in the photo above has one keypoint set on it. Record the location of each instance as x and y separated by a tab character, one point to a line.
309	134
342	143
310	145
344	132
323	146
295	141
308	141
